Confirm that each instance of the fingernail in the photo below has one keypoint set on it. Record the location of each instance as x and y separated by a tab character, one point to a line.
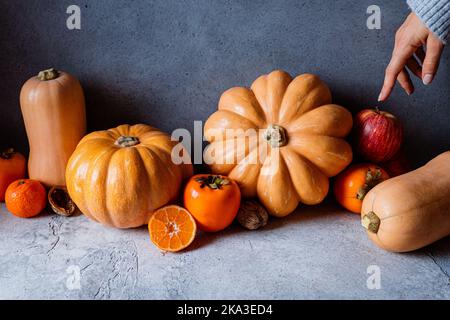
380	97
427	79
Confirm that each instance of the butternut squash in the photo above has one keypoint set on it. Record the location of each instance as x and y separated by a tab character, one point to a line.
410	211
53	110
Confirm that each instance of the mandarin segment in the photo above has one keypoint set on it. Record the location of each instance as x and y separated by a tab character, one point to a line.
172	228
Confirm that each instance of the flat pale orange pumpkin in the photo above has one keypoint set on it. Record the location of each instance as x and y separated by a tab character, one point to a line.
300	131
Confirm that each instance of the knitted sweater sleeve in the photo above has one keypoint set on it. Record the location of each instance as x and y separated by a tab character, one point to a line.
435	14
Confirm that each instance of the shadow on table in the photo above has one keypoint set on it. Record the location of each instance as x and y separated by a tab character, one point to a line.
326	212
303	214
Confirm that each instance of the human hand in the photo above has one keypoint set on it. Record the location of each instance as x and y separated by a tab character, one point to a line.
409	55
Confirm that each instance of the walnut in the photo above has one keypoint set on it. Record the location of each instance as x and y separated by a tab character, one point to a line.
60	201
252	215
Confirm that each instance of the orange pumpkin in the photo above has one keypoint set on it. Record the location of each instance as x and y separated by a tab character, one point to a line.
119	177
299	130
12	167
53	109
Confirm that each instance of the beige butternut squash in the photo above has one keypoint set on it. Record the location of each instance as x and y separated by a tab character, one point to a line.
53	110
410	211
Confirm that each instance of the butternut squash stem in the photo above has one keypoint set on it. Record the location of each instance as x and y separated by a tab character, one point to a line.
48	74
371	222
275	136
127	141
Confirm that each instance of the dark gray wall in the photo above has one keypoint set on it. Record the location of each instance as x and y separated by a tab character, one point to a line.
166	62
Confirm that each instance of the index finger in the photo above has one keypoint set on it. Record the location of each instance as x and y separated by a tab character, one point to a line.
400	56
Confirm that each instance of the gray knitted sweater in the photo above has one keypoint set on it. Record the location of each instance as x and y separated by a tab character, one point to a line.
435	14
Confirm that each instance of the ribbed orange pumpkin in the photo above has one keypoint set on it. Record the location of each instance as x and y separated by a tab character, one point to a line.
119	177
298	127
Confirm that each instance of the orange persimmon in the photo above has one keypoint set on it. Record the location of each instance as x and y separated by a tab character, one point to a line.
25	198
12	167
351	185
213	200
172	228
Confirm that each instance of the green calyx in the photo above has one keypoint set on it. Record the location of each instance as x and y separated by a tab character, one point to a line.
373	177
212	181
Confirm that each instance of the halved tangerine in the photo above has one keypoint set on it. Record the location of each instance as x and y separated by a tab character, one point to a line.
172	228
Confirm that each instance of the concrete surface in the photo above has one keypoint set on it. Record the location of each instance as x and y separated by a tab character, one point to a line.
315	253
166	62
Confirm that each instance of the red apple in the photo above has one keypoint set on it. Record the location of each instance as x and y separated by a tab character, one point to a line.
378	135
398	165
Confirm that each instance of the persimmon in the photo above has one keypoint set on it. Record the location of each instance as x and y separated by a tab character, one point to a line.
172	228
351	185
12	167
213	200
25	198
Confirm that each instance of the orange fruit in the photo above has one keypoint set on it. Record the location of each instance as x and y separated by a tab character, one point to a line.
351	185
13	166
172	228
213	200
25	198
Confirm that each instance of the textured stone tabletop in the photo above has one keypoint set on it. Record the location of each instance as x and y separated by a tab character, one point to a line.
317	252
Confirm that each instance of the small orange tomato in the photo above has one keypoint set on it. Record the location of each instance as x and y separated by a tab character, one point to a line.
351	185
213	201
12	167
25	198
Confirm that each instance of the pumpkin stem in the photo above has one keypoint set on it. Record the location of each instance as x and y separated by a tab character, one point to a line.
275	135
371	222
127	141
48	74
7	154
212	181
